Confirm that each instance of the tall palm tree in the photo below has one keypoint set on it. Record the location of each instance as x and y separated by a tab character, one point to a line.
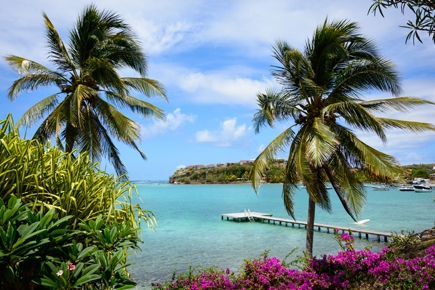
83	113
322	90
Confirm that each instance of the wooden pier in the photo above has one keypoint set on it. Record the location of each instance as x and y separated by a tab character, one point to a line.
330	229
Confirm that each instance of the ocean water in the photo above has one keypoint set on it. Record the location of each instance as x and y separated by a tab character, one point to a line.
190	231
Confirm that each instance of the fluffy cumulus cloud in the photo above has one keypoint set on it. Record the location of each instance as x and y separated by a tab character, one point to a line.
227	134
172	122
223	89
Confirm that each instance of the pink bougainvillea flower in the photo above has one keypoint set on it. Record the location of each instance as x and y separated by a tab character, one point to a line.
71	266
60	272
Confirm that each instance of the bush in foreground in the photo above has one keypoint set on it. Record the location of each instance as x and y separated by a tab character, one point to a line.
38	251
349	269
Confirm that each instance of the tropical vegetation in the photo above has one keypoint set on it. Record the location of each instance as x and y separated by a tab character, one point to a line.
322	94
424	11
47	178
64	223
348	269
275	173
83	113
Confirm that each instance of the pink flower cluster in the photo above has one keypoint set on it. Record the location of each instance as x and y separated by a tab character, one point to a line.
71	267
348	269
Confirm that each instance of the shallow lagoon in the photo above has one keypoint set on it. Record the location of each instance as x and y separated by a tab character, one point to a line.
190	231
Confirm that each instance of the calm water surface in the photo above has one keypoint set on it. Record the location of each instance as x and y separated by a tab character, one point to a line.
190	231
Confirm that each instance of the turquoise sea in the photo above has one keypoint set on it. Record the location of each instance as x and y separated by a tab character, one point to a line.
190	231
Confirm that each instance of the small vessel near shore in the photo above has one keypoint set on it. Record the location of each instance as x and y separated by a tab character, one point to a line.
423	190
406	187
381	187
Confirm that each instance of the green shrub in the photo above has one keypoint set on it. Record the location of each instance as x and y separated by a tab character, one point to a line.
47	178
38	249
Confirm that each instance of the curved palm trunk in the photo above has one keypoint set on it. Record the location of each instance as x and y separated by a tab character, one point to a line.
310	229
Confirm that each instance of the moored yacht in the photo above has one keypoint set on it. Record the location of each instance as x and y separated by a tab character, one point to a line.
382	187
406	187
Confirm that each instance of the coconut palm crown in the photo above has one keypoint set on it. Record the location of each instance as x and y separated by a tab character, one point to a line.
83	113
322	94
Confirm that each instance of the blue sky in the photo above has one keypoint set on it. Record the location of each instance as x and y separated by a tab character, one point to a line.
213	58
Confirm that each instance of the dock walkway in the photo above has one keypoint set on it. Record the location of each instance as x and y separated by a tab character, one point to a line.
264	217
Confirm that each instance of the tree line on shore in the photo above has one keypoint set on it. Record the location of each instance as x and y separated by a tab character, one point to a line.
237	173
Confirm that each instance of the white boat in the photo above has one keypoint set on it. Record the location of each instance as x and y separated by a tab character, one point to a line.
423	190
362	222
406	187
422	187
382	187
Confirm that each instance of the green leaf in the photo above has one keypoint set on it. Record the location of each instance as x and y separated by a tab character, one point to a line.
8	214
86	279
25	230
86	252
46	282
64	219
77	271
9	274
22	240
47	218
91	269
14	202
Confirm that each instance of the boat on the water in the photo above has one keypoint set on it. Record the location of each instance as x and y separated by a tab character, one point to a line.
381	187
406	187
423	187
423	190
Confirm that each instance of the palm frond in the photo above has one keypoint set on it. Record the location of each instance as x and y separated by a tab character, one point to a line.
145	109
123	128
288	191
31	82
76	100
261	162
148	87
358	117
320	142
376	162
104	145
274	106
51	124
58	52
295	72
89	138
103	34
37	111
317	190
345	181
25	66
402	104
406	125
362	75
105	74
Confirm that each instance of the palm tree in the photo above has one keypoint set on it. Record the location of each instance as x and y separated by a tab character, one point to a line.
83	113
322	92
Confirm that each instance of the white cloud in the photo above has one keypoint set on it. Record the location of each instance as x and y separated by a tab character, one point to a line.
158	38
181	166
225	136
173	121
223	89
261	148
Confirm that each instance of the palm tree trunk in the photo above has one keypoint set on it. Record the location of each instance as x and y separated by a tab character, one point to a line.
310	229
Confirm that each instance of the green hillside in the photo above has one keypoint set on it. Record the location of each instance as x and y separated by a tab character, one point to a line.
239	172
